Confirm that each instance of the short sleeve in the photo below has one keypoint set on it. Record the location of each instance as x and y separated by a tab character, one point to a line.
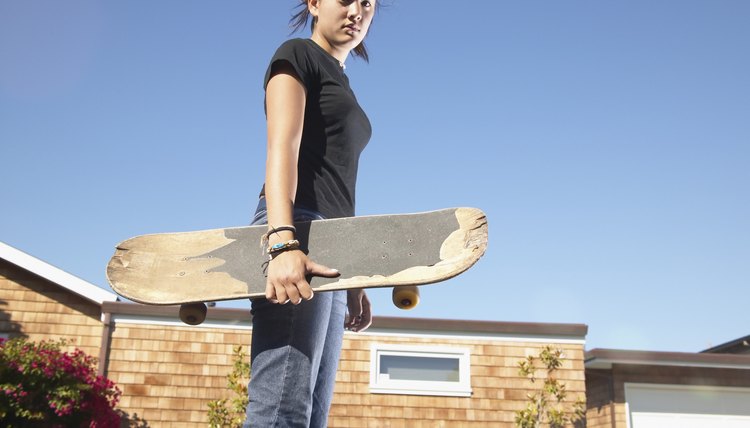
296	52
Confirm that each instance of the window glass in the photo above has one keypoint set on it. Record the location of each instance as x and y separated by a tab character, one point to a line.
397	367
420	370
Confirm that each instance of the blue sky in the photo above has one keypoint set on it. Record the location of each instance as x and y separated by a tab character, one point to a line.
607	141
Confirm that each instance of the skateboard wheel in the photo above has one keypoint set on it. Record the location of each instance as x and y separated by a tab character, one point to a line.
193	313
406	297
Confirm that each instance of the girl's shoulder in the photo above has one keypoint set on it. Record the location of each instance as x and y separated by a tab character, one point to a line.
301	54
297	46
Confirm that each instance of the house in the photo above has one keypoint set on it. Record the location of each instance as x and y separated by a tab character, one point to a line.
646	389
401	372
41	301
168	371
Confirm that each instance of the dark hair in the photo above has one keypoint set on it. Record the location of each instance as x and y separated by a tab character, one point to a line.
299	21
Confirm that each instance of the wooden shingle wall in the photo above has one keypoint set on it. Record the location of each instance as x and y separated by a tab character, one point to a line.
168	374
34	307
602	410
498	389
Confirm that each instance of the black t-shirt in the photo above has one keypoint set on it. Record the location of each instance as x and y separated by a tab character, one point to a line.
335	131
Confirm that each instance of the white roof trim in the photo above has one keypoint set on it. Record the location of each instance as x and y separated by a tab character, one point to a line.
499	337
70	282
606	363
175	322
372	332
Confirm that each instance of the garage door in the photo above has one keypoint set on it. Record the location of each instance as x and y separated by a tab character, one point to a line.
679	406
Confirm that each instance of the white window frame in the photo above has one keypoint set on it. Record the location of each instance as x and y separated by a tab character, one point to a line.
379	385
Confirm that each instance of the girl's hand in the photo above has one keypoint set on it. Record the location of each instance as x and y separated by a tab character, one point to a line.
287	274
360	313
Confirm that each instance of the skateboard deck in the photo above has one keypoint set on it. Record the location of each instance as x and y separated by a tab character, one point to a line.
368	251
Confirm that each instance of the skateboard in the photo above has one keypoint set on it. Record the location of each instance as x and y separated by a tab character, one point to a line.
400	251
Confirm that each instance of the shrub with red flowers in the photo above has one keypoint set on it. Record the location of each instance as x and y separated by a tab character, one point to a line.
41	385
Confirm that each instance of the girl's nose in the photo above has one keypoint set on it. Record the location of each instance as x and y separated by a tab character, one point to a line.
355	11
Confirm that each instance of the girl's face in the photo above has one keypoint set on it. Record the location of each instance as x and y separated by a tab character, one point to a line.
343	23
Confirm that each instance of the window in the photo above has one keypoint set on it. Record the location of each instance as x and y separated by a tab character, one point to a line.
413	370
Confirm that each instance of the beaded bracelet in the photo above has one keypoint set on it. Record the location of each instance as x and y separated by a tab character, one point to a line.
283	246
277	249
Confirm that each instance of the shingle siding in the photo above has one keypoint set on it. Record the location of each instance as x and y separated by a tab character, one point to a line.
32	306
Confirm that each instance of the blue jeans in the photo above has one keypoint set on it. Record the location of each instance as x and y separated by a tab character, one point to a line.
294	354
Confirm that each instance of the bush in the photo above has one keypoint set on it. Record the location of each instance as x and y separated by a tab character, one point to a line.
547	406
42	386
231	412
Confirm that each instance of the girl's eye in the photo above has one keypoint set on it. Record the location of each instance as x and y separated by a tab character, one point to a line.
365	3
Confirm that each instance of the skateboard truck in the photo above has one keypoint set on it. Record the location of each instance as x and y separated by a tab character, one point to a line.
404	297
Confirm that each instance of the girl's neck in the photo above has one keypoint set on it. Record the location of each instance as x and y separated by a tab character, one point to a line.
338	53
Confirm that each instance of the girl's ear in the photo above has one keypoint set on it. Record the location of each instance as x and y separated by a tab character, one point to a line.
312	6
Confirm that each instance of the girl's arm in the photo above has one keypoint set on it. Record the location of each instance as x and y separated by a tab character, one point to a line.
285	111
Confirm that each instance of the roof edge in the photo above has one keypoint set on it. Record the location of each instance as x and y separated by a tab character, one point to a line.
600	358
379	322
490	327
56	275
173	311
729	347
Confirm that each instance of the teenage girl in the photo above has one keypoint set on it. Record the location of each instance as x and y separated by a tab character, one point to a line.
316	132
